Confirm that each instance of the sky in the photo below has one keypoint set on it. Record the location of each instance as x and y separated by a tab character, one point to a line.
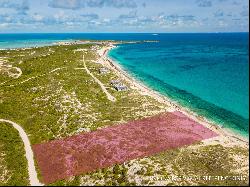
112	16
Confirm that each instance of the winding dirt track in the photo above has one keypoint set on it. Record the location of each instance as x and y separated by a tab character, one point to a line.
28	153
109	96
34	77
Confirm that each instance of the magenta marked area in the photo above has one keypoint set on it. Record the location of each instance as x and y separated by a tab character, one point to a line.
87	152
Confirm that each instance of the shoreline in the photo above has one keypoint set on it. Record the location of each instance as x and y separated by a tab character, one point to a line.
73	84
50	44
145	90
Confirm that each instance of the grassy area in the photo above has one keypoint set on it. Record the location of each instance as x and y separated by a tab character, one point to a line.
53	99
169	167
13	164
58	104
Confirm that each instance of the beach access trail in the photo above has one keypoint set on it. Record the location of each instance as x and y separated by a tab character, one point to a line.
34	77
13	75
109	96
28	153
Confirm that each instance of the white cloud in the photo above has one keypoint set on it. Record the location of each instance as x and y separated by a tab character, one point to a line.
21	6
78	4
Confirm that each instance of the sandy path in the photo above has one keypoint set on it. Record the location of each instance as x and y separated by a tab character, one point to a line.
19	72
3	63
109	96
31	78
28	153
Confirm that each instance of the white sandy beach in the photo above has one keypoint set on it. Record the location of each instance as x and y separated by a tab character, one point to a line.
225	135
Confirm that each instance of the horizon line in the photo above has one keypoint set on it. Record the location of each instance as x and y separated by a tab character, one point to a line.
122	32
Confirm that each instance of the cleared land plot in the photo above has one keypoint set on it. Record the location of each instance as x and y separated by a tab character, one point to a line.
87	152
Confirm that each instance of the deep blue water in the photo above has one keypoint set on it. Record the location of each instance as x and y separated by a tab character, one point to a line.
38	39
209	73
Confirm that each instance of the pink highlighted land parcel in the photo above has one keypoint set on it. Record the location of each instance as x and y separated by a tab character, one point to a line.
87	152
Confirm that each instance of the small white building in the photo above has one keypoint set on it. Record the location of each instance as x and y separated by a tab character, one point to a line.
113	82
118	85
103	70
121	87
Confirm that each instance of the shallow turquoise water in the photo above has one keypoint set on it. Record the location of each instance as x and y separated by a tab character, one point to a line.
26	43
206	72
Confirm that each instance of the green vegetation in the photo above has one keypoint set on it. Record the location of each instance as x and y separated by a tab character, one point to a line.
58	104
170	168
13	164
55	98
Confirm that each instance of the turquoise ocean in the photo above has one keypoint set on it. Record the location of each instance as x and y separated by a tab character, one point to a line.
208	73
